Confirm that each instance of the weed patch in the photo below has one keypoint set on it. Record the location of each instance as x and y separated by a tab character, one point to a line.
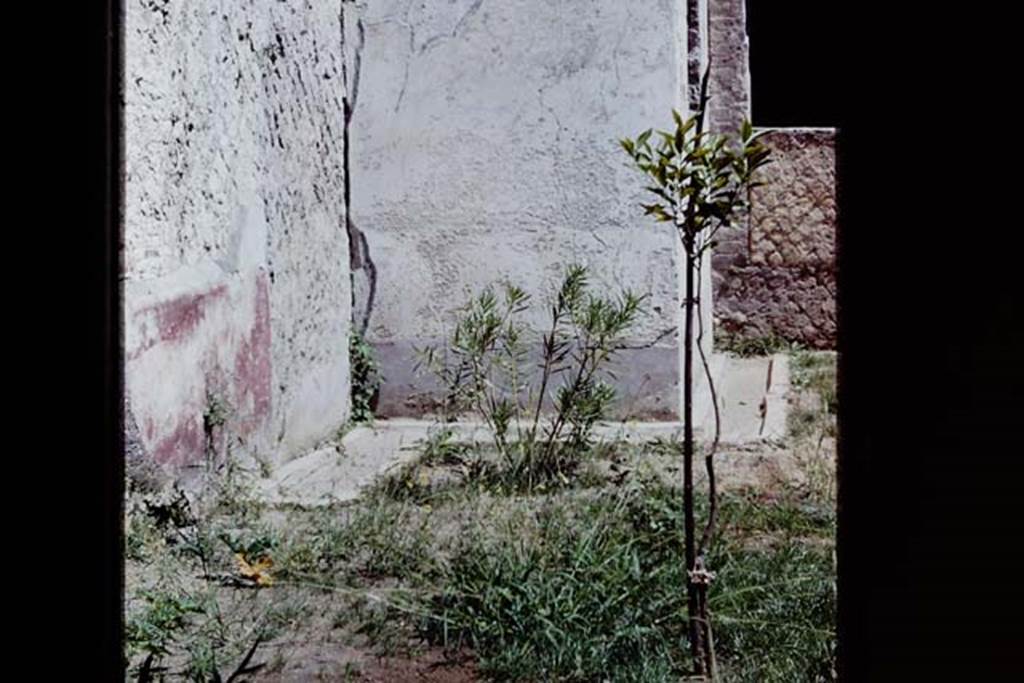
354	547
365	377
747	346
814	374
487	368
573	578
597	594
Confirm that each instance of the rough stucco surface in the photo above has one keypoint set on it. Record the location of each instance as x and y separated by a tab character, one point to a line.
483	146
235	254
784	281
729	49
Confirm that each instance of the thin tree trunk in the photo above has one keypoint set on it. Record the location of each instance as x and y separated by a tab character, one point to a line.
705	542
692	596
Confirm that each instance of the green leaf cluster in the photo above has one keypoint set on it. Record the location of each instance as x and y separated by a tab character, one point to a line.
699	179
365	378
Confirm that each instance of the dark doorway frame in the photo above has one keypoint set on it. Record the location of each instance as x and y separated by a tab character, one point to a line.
794	54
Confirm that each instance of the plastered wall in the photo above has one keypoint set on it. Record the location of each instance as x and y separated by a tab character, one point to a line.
235	255
483	147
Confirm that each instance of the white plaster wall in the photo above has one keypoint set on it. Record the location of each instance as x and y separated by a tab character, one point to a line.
235	255
483	146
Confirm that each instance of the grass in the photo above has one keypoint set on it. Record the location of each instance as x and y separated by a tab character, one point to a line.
580	580
448	470
816	371
189	614
595	592
813	374
747	346
355	547
568	586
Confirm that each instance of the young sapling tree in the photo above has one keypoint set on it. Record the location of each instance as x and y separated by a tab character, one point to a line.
700	183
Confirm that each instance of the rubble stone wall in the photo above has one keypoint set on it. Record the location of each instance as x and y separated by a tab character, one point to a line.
782	281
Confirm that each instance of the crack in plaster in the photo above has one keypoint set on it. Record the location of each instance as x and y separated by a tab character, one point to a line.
696	58
408	56
466	16
360	260
647	345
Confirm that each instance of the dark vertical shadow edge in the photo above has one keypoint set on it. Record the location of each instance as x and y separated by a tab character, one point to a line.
67	568
929	364
114	388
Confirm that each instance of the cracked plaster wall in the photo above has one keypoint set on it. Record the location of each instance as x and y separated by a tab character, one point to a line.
483	146
234	251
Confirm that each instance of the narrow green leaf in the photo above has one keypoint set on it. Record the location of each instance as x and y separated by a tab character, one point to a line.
745	129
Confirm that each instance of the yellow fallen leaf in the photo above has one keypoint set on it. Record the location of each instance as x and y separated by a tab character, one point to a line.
256	571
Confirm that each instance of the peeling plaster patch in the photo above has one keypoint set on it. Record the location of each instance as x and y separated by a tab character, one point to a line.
134	449
184	446
364	279
171	321
252	378
216	342
177	319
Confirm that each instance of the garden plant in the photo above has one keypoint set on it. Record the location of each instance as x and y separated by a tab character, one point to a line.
700	184
488	368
